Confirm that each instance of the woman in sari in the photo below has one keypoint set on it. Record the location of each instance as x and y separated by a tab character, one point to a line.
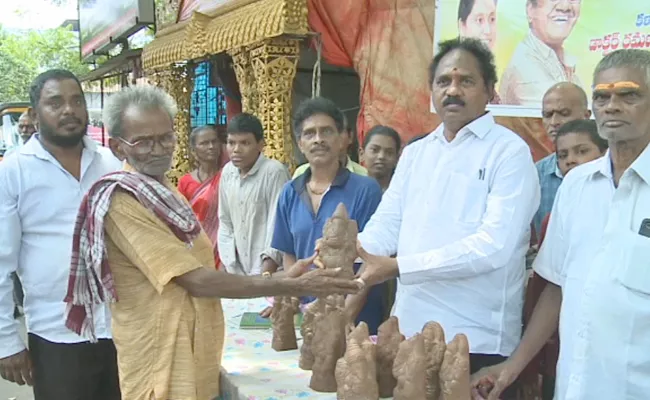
201	186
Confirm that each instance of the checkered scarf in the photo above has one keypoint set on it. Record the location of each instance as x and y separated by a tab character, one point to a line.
91	281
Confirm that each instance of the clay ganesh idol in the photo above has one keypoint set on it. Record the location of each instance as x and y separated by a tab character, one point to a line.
328	344
284	331
313	313
388	341
356	371
454	372
434	347
338	246
409	370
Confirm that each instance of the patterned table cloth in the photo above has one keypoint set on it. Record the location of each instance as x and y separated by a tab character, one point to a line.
252	370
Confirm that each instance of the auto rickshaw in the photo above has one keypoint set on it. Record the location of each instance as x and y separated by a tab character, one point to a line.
9	115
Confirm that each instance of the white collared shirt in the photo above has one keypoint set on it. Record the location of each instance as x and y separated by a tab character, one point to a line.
39	201
247	215
594	251
458	216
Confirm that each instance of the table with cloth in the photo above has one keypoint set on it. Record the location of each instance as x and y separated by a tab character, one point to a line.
251	369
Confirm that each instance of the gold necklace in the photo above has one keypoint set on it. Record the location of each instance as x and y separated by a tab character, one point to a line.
314	192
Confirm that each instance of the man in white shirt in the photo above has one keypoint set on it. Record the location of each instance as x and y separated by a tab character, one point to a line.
457	214
26	125
26	128
41	187
596	255
248	195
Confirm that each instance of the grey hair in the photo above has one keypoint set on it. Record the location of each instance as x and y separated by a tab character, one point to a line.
626	58
144	97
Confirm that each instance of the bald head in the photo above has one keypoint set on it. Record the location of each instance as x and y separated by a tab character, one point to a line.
563	102
569	89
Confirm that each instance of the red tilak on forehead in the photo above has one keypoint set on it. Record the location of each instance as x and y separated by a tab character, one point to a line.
616	86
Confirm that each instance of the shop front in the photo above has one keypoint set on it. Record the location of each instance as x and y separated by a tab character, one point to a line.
262	37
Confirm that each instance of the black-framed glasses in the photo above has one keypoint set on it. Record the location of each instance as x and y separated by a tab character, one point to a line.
144	146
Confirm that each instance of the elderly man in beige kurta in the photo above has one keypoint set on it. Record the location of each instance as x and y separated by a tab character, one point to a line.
138	245
172	353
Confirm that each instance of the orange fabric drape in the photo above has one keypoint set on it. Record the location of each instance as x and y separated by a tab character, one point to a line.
389	43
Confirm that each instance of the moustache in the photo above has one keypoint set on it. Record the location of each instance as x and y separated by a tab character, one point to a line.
319	148
70	120
452	100
160	160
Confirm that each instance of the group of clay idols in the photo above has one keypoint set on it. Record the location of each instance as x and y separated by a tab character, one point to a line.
343	359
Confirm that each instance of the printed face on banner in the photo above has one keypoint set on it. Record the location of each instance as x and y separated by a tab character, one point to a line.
552	20
538	43
480	23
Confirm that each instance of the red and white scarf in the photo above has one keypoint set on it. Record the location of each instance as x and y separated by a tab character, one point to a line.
91	282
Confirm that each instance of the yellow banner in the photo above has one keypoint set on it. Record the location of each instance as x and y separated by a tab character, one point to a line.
537	43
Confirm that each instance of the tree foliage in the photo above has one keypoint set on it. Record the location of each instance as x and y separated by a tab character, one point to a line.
25	55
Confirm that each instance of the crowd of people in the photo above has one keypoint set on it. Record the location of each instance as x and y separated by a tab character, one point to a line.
123	272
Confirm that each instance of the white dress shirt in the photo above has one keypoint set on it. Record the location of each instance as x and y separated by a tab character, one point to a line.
39	201
594	251
458	216
247	215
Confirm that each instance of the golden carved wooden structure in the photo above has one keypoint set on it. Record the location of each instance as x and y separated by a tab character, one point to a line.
178	81
265	73
263	38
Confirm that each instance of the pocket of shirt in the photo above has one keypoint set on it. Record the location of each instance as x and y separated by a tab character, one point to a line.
466	197
634	272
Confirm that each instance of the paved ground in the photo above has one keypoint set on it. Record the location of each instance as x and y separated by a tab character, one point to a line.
11	391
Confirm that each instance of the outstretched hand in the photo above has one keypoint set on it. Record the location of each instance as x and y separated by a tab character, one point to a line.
323	282
376	269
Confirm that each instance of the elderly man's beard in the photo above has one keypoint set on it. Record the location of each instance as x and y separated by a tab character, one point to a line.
72	139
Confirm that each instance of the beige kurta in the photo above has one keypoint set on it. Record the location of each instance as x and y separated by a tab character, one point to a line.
169	344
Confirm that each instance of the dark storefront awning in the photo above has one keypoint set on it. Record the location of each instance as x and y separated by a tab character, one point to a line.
120	64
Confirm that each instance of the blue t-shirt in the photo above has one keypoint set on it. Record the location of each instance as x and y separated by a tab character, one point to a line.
296	226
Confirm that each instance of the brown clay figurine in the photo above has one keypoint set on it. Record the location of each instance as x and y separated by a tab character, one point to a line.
338	246
328	344
434	348
388	340
410	370
313	313
284	331
356	371
454	372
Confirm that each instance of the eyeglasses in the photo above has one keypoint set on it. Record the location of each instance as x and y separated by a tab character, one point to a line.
145	146
324	133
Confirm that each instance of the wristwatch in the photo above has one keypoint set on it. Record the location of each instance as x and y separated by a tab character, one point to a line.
266	274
